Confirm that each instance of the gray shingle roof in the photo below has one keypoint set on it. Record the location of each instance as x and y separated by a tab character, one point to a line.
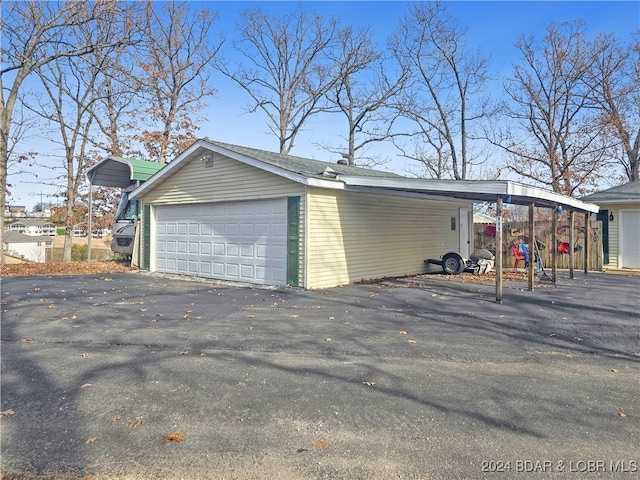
300	165
629	192
16	237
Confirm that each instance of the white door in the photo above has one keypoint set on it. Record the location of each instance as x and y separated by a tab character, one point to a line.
629	238
465	238
239	241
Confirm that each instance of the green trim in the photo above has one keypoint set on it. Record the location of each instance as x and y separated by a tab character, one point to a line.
293	241
146	235
603	216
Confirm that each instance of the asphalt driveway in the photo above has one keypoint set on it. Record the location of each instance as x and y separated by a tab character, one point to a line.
422	378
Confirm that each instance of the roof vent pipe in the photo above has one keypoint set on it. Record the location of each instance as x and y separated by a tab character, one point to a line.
342	161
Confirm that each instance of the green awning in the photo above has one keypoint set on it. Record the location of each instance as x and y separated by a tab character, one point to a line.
121	172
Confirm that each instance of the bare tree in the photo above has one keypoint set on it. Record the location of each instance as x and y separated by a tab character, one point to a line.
284	72
31	39
175	76
443	101
552	134
614	80
72	91
363	91
117	95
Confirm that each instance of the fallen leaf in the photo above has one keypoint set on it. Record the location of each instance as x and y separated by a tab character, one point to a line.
578	339
173	437
411	341
402	332
322	443
327	339
115	419
6	413
26	340
369	384
90	440
136	423
613	370
294	316
251	316
622	413
87	385
83	354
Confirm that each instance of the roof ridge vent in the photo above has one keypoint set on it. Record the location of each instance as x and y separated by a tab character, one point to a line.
329	172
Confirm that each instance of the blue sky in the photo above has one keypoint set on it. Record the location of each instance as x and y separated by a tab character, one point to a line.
492	26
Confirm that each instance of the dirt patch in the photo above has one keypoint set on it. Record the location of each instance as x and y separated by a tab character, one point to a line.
63	268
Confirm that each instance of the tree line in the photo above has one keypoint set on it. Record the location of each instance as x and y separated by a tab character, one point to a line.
102	78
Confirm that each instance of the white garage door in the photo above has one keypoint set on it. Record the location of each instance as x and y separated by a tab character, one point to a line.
630	238
240	241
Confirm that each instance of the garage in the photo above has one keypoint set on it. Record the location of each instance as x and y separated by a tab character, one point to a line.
238	241
241	214
630	238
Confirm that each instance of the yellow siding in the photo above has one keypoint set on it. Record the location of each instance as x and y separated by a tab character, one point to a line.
362	236
227	181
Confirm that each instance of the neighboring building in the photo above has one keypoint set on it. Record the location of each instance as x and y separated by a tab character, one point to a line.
79	230
28	247
235	213
620	217
33	227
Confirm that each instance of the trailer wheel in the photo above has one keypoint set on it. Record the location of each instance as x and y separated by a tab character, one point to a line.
452	264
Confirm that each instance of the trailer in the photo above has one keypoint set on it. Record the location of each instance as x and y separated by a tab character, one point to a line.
128	174
479	262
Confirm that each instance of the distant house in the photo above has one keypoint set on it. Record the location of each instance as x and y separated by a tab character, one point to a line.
80	230
28	247
33	227
620	217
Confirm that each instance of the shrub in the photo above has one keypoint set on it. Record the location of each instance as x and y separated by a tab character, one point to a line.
79	253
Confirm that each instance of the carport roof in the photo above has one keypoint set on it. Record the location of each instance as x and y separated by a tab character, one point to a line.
121	172
474	190
345	177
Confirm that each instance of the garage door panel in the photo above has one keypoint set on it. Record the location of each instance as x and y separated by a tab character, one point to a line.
279	253
232	249
247	272
261	251
237	241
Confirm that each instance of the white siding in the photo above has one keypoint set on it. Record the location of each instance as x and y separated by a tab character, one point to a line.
353	236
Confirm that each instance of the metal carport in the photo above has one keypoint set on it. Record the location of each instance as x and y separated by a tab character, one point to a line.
498	191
